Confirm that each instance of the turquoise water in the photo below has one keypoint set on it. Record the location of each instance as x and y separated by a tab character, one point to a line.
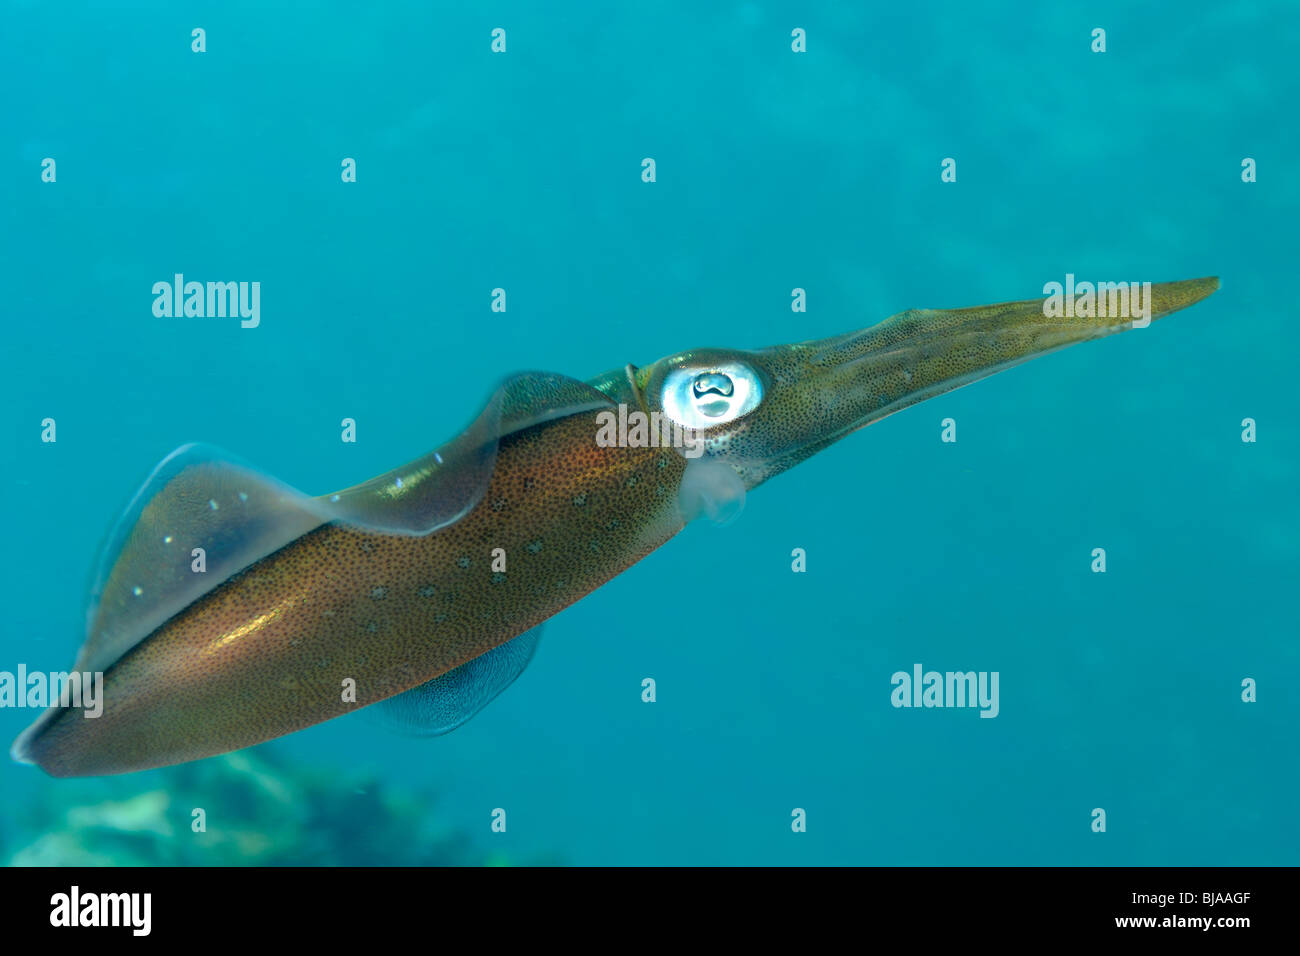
775	170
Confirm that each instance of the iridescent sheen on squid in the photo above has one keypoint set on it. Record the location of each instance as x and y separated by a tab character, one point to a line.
421	591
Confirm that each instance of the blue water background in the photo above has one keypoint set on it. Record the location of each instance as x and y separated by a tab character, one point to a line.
775	171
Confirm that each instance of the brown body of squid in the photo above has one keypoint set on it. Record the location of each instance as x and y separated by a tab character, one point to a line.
232	609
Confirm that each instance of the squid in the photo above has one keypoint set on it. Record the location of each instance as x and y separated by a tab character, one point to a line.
230	608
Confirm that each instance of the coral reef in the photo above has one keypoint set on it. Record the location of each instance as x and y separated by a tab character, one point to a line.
256	810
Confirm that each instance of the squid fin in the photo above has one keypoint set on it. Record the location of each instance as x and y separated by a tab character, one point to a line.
441	487
199	518
441	705
203	516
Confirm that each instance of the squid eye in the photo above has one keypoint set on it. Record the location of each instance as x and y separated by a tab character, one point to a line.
712	382
704	397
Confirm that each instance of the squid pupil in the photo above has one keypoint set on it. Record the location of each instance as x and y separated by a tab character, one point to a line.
715	382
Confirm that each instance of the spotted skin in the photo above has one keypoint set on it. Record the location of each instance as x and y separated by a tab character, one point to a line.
267	652
818	392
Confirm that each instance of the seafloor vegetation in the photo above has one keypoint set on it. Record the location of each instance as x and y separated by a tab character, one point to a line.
257	810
